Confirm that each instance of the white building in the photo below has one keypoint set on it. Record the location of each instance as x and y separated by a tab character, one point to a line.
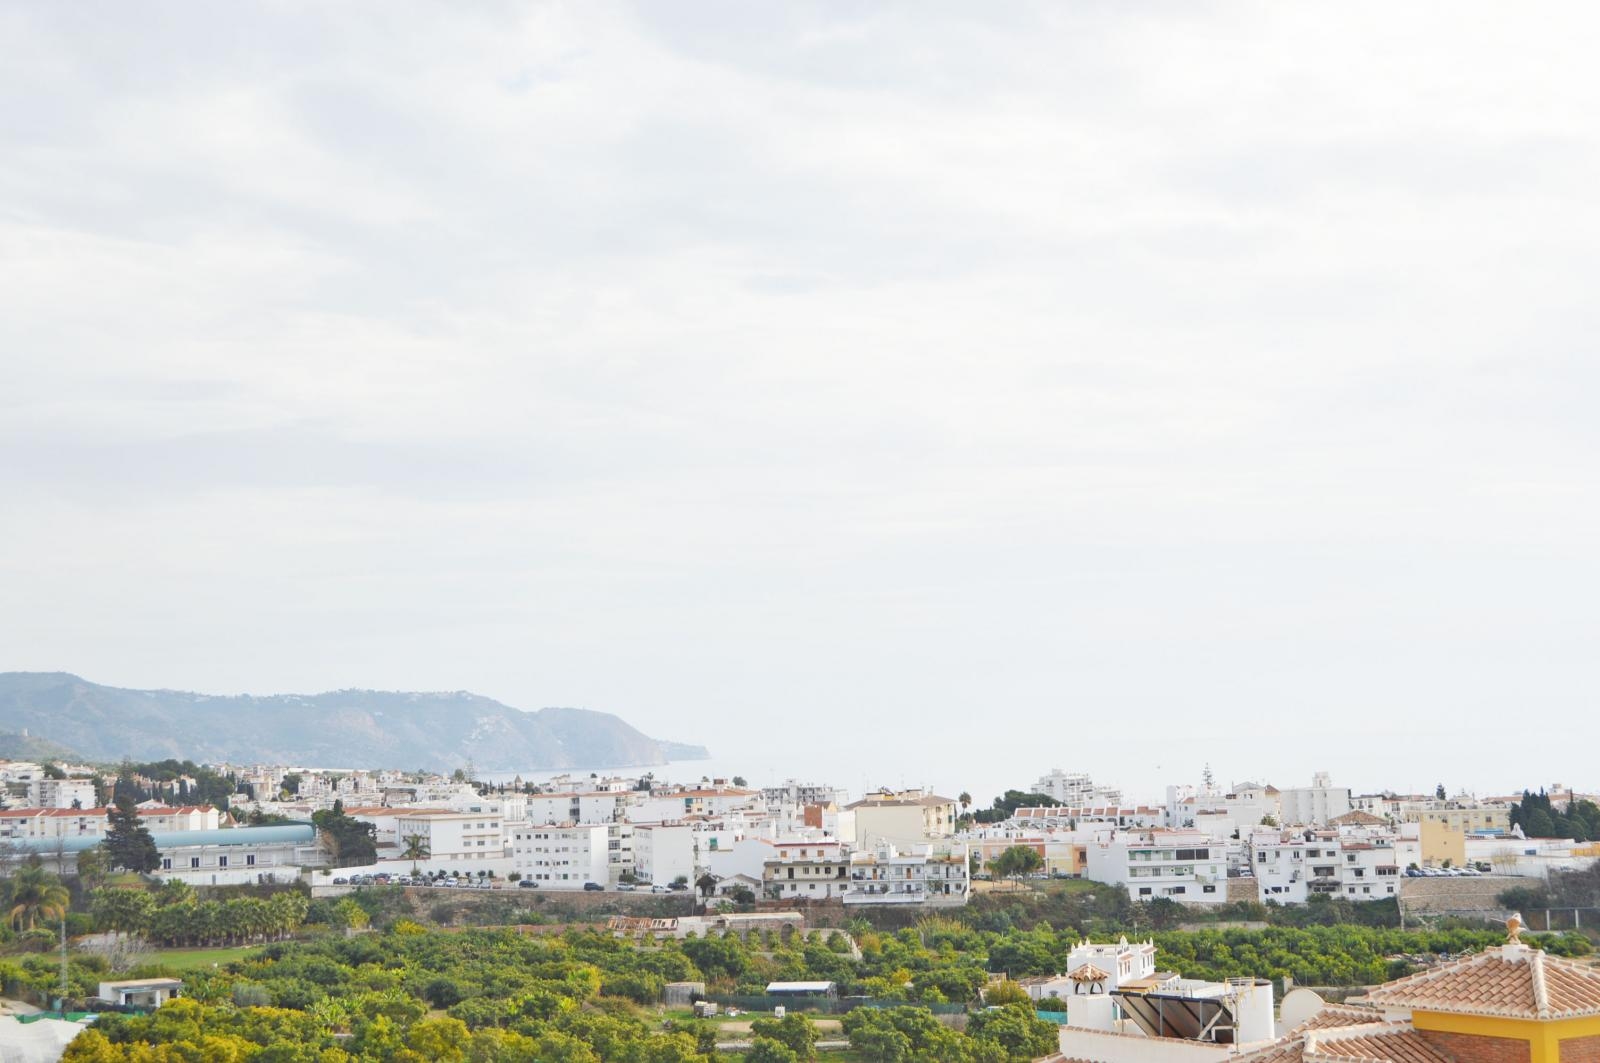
664	805
1067	817
619	849
453	838
805	869
793	792
583	806
746	857
158	817
935	875
58	823
1314	805
1291	866
510	808
224	857
561	856
1076	789
663	853
1180	865
140	993
384	819
62	793
906	818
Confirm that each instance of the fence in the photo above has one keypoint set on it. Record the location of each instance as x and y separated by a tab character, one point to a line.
1534	920
1562	918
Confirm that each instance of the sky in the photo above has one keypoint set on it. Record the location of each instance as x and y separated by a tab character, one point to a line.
918	392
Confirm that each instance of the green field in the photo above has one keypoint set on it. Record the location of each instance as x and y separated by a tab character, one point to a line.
193	959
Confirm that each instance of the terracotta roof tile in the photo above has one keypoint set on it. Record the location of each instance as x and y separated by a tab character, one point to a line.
1511	981
1291	1050
1357	818
1368	1042
1394	1044
1334	1016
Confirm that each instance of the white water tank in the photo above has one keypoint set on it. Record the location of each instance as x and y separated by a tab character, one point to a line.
1252	1010
1091	1012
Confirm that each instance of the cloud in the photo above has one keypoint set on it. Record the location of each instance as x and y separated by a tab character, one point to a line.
715	361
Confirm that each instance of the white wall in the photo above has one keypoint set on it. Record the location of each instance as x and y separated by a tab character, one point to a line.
663	852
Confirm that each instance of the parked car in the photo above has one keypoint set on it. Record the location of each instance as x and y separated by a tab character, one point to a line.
341	882
658	888
626	887
528	884
593	886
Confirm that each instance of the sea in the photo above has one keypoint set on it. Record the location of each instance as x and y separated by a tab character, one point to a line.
855	779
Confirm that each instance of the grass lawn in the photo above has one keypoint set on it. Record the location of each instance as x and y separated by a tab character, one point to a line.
193	959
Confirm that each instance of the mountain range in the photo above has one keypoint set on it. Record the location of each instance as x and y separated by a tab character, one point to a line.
339	728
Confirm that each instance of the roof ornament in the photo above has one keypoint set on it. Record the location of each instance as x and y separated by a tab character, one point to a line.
1514	929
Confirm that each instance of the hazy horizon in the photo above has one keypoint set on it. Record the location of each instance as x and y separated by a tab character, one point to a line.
978	390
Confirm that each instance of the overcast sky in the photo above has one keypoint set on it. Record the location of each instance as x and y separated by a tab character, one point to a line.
980	387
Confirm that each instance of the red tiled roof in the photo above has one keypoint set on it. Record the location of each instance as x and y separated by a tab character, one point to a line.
1334	1016
1397	1044
1357	818
1368	1042
1511	981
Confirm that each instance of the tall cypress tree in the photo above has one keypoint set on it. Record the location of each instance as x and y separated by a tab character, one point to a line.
128	842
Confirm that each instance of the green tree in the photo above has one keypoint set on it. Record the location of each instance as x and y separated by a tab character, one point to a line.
93	866
416	849
1016	861
794	1031
706	884
1007	992
767	1050
352	843
1017	1029
348	914
123	909
439	1039
35	896
128	843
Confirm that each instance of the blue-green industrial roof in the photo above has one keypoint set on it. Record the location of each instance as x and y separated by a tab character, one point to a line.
299	833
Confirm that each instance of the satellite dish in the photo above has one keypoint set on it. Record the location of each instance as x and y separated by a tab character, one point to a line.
1299	1004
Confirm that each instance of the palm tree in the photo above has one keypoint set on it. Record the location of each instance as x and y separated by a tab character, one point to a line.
36	896
416	849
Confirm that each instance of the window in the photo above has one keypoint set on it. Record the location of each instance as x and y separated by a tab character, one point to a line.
1144	891
166	863
1208	889
194	861
222	861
